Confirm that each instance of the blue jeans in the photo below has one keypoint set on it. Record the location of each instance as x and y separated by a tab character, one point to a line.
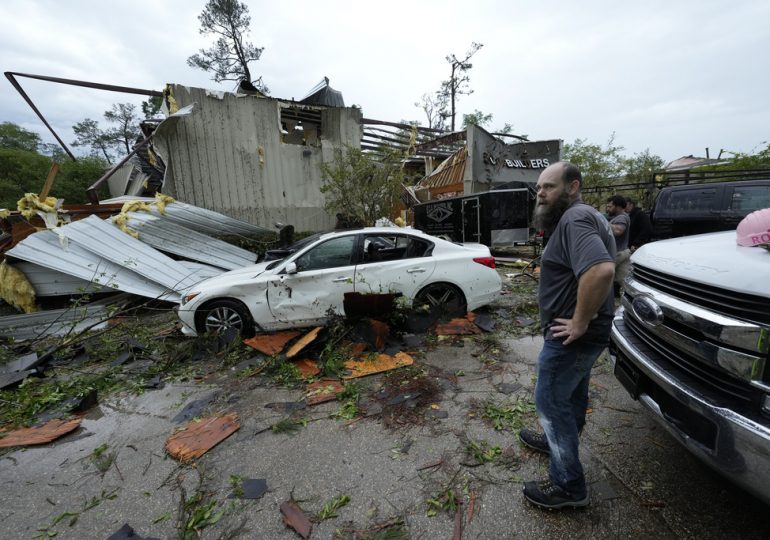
561	399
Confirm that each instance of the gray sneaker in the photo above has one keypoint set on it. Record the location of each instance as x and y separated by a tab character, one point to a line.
535	440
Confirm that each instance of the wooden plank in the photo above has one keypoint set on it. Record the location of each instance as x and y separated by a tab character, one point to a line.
49	181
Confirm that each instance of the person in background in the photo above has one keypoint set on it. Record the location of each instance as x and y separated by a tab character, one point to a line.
576	308
641	226
621	227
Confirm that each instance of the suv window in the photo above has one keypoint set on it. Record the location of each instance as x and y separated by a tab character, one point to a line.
331	254
749	198
690	201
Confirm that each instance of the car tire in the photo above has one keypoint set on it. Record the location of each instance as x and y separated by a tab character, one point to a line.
219	315
444	299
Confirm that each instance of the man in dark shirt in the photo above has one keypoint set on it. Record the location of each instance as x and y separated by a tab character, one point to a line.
576	308
641	226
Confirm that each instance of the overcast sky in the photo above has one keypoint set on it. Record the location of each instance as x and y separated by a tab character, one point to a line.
673	76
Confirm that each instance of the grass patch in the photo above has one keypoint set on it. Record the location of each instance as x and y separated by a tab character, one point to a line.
329	509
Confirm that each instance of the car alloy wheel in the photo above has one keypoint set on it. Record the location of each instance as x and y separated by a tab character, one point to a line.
221	315
443	299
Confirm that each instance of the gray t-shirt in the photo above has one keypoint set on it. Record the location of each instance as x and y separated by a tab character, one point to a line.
581	239
621	242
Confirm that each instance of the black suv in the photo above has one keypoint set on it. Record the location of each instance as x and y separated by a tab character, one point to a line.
703	208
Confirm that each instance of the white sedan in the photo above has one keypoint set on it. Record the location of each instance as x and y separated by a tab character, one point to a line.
310	278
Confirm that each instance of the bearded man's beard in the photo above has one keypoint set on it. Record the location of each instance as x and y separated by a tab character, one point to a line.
548	215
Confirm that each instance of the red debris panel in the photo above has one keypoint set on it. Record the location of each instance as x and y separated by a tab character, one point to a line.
271	344
323	391
458	327
378	364
42	434
303	342
380	332
307	367
198	437
294	517
357	348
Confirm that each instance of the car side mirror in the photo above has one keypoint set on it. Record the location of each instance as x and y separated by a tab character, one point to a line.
291	268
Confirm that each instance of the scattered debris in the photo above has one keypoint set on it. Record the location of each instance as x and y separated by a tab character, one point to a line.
23	363
307	367
247	488
195	408
383	362
294	517
198	437
485	322
10	379
126	532
463	326
271	344
43	434
303	342
323	391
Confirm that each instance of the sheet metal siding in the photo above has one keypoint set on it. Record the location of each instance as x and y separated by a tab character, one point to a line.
215	162
56	322
48	282
45	249
109	242
169	237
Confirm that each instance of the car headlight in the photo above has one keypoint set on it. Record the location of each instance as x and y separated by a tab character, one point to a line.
186	298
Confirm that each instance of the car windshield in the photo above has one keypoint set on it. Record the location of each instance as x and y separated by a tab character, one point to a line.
278	255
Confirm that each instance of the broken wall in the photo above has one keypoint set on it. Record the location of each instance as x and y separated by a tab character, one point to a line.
229	155
493	163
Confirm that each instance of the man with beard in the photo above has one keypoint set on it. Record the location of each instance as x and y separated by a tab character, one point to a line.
576	307
640	230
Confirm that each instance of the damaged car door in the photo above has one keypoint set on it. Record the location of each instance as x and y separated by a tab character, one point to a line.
314	282
393	263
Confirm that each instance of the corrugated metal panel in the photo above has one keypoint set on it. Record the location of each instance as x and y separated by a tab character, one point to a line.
109	242
57	322
169	237
48	282
228	156
45	249
450	172
207	221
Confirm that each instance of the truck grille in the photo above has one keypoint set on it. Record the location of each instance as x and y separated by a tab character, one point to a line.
741	306
696	372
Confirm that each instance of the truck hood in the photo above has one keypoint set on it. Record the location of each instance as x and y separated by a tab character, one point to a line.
713	259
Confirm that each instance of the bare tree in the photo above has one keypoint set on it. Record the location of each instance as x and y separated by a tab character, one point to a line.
435	111
457	84
228	59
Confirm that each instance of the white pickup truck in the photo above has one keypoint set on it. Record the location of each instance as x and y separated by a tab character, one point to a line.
691	342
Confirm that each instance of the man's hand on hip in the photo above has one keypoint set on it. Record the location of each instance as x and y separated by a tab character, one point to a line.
569	329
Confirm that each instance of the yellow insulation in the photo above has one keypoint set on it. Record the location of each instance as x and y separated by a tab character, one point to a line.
173	106
16	289
161	201
30	204
4	213
121	221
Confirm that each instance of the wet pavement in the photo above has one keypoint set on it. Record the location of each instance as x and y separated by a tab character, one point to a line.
642	483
